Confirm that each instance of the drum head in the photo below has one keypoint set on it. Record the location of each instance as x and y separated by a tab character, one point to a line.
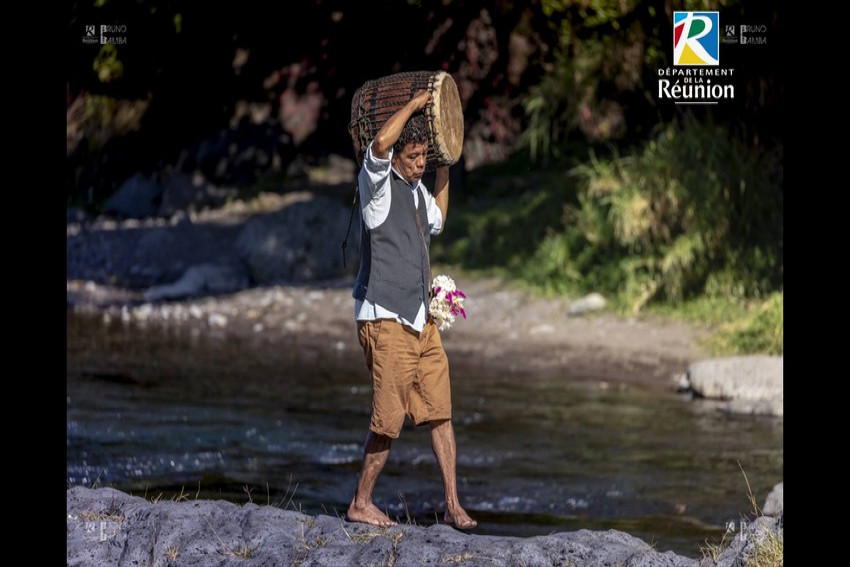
448	119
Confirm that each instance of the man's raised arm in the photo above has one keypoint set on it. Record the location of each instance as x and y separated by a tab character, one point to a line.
391	130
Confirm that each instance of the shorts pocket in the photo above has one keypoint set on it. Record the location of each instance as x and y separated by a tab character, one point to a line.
377	326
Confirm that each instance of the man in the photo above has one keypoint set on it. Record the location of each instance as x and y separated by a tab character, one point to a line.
404	353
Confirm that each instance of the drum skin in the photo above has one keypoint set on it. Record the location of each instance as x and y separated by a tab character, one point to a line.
375	101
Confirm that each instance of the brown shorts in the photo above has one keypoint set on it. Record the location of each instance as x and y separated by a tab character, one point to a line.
410	374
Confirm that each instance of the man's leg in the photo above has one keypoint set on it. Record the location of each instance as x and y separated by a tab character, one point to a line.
374	457
443	443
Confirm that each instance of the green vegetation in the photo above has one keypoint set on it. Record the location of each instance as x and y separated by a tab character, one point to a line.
688	224
760	330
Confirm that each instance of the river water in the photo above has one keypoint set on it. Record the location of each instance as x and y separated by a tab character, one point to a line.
160	413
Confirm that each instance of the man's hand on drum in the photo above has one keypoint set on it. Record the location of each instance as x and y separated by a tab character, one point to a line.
421	98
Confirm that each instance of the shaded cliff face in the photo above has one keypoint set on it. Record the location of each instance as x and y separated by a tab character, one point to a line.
285	238
109	528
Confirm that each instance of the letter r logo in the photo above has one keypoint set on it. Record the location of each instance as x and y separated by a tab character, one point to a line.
696	38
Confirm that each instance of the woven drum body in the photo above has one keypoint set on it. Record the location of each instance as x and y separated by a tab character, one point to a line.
375	101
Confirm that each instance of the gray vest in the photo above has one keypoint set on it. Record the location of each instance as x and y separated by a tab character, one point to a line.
394	269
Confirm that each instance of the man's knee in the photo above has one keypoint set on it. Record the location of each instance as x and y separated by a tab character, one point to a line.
377	442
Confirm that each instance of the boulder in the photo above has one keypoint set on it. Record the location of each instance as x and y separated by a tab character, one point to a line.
205	279
773	502
137	198
300	243
749	384
586	304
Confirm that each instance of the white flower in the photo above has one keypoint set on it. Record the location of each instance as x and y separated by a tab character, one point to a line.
446	302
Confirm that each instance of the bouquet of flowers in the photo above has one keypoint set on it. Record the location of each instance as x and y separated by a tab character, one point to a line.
446	302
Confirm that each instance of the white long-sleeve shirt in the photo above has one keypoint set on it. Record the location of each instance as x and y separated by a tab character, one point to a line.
375	199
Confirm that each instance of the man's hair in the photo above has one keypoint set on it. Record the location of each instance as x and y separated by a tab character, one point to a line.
415	131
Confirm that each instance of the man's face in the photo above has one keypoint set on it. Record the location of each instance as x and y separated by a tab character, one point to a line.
410	161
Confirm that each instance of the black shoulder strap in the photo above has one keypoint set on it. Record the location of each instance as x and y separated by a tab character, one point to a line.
350	218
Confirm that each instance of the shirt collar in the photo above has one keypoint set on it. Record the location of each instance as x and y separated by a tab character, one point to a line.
400	176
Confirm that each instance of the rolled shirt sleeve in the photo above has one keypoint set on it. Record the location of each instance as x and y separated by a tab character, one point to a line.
374	186
377	169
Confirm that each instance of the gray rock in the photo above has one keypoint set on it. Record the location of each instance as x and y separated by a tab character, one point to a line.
106	527
750	384
773	502
206	279
586	304
299	243
162	255
150	255
138	197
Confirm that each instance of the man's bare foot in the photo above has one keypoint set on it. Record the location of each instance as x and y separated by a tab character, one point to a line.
369	514
459	519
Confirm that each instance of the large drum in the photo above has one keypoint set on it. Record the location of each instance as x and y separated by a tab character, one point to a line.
375	101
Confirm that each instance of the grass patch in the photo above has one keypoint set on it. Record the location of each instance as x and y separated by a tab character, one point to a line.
709	311
760	330
241	550
712	549
365	537
110	514
101	516
768	551
172	553
315	543
182	496
737	326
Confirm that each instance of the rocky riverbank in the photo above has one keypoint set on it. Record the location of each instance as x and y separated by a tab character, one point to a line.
108	528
